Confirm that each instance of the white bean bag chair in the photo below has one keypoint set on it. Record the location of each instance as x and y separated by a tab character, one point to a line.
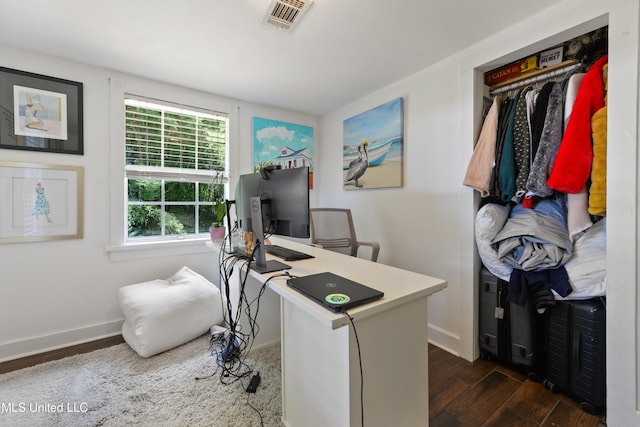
163	314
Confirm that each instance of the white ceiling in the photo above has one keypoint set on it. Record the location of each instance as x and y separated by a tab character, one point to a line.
340	51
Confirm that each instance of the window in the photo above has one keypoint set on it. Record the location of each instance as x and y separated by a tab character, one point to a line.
175	168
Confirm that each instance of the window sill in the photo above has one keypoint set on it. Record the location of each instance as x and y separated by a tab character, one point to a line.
144	250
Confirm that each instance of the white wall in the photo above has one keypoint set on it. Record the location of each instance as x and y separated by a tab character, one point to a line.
58	293
419	224
427	225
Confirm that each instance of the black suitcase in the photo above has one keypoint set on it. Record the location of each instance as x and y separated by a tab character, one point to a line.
575	351
507	330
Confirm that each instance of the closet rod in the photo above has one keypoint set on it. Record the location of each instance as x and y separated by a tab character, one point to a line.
535	76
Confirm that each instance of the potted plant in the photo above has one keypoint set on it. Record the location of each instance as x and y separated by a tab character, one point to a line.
217	229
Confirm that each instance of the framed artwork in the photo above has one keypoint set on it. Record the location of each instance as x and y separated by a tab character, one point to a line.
279	143
40	202
40	113
372	151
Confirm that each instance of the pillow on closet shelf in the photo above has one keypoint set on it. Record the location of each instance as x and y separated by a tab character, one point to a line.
489	221
161	314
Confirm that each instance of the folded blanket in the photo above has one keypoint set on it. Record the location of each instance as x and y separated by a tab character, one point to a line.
489	221
535	239
587	267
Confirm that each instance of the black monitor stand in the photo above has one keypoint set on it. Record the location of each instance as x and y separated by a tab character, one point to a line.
261	264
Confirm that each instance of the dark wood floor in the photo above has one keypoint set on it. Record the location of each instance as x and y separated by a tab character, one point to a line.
461	393
25	362
484	393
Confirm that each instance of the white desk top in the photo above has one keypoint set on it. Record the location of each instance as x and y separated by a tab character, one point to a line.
399	286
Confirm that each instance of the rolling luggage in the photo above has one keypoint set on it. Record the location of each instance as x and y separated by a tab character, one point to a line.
508	331
575	351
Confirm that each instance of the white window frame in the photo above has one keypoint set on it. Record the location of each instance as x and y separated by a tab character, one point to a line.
173	174
119	248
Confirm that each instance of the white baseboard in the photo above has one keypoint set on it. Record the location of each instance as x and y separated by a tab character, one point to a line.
264	344
444	339
36	345
30	346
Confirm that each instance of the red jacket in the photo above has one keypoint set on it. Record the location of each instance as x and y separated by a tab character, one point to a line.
572	165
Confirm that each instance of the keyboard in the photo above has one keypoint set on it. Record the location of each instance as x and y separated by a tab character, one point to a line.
286	253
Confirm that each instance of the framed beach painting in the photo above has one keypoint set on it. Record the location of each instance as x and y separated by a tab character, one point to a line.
372	154
40	202
285	144
40	113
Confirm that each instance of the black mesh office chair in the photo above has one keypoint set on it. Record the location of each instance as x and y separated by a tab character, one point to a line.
332	229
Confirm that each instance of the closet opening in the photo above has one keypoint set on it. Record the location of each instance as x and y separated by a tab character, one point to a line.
539	168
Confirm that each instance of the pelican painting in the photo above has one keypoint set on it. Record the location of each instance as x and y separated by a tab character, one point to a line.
372	148
358	166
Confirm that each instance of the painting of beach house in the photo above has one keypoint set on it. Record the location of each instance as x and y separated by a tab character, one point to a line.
279	143
372	148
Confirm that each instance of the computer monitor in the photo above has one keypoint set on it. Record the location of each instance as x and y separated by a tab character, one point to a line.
273	201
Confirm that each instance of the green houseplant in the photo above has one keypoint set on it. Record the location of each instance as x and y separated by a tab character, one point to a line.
214	192
217	229
219	212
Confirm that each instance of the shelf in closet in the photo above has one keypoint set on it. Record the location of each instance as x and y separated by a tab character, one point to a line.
535	75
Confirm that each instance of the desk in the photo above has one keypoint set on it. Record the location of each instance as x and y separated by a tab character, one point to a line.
321	379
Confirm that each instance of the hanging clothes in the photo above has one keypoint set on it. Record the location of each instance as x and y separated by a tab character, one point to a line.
572	88
480	166
549	142
503	124
539	116
598	190
532	97
522	143
572	166
578	219
507	166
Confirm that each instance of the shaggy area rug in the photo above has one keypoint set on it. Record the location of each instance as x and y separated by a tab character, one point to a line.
116	387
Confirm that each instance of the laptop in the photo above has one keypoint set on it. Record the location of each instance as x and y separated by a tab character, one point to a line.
334	292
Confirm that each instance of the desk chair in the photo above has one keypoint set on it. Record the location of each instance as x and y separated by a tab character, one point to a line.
332	229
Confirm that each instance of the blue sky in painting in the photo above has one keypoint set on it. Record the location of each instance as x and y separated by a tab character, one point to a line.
269	136
384	121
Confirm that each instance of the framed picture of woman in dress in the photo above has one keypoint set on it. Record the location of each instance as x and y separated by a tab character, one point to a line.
40	202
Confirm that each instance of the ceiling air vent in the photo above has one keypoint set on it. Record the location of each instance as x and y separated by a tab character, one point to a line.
286	13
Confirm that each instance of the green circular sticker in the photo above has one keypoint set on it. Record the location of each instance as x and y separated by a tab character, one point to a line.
337	298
